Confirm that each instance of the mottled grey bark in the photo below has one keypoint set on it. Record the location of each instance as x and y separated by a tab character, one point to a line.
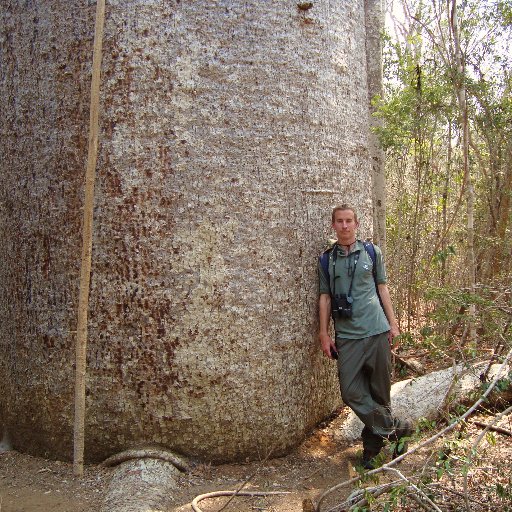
228	131
374	15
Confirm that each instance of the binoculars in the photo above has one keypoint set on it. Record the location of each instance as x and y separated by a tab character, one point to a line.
342	306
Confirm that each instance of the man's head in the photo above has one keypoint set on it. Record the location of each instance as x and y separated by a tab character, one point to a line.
343	207
345	223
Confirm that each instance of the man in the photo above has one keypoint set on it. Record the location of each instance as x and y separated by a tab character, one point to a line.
365	330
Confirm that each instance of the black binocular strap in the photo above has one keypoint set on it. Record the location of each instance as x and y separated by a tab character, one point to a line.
334	258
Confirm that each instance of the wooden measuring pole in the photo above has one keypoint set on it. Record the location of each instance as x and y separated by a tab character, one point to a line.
85	271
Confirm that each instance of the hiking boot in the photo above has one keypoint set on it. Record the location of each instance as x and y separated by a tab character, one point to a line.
404	428
369	459
400	437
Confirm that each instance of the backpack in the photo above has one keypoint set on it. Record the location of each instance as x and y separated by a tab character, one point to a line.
369	248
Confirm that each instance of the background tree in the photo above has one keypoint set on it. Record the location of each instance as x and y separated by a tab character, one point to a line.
445	131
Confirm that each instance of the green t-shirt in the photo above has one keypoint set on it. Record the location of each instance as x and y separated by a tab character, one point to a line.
368	318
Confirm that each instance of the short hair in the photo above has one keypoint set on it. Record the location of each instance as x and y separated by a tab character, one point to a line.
343	207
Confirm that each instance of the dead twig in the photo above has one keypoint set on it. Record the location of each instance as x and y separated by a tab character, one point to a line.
417	499
498	349
445	406
453	491
247	480
424	500
492	427
358	497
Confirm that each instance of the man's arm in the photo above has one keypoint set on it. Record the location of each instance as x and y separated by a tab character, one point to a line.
388	310
324	312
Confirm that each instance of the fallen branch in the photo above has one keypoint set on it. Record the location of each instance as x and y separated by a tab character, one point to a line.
492	427
411	363
423	499
197	499
358	499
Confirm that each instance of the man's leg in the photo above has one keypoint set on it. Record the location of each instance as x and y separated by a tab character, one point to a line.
357	390
372	445
379	365
364	368
356	393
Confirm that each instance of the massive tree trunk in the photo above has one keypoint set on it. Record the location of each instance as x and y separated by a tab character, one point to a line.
228	131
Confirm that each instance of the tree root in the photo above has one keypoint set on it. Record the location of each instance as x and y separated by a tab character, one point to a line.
147	453
202	497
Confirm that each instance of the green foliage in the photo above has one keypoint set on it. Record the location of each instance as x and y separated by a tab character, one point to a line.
431	238
450	311
441	256
421	134
504	491
500	386
405	340
426	425
449	302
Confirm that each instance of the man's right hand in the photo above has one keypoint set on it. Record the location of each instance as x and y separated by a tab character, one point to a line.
328	346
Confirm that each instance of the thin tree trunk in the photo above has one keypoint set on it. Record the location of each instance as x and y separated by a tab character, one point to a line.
374	20
445	202
468	184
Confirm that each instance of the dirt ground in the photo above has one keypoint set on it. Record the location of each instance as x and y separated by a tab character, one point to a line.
29	484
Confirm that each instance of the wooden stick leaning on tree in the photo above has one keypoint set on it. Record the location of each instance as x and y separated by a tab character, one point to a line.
85	271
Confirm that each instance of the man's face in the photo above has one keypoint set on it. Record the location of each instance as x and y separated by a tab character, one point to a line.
345	225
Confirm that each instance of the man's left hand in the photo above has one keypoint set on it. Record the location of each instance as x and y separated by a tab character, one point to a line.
393	338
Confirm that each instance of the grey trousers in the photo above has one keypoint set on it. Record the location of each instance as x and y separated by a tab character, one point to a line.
364	369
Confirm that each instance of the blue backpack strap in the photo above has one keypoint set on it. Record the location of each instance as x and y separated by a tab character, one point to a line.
370	249
324	263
